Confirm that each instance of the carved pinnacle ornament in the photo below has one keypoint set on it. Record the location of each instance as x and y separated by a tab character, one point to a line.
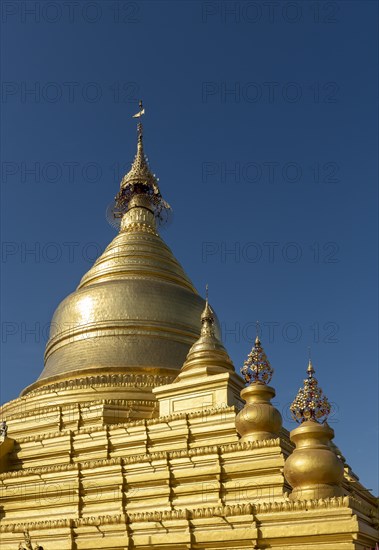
257	367
207	318
310	402
139	187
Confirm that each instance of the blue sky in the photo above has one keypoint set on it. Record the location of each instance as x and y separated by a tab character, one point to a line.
262	127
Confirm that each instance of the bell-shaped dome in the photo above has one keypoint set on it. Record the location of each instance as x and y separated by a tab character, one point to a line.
135	308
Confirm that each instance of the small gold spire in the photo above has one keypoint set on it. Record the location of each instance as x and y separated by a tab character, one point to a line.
310	403
207	355
207	318
310	369
257	367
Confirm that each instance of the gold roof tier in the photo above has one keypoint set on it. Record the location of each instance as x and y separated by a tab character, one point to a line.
136	307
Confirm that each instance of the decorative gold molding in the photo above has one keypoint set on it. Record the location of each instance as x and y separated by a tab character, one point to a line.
187	514
146	457
316	504
130	380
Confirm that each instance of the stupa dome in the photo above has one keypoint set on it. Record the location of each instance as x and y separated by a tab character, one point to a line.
135	308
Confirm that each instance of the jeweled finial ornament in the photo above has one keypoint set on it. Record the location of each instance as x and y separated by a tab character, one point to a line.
139	187
313	469
310	402
259	419
257	367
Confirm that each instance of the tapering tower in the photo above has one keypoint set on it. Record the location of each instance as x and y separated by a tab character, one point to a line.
135	312
207	355
207	378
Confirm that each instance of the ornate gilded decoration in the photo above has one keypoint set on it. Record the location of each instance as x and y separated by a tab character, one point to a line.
313	469
310	402
259	419
92	463
207	355
135	308
257	367
139	187
207	319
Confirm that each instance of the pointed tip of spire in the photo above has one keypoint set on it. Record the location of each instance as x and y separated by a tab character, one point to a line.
139	180
310	369
257	328
207	314
207	317
139	187
206	297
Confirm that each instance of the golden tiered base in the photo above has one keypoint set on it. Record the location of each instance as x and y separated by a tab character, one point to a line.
182	481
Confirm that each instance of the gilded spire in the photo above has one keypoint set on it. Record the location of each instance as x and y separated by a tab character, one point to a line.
207	318
310	402
207	355
139	187
257	367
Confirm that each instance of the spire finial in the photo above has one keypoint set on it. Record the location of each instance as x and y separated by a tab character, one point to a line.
207	355
139	187
207	317
310	369
259	419
310	403
139	125
257	367
257	329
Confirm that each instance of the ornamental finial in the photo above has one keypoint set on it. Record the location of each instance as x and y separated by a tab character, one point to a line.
139	187
257	328
207	317
139	125
259	419
310	402
257	367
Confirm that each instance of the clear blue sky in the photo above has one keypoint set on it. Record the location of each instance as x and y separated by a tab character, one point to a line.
286	96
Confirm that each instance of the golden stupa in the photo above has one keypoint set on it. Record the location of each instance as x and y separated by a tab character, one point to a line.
139	434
